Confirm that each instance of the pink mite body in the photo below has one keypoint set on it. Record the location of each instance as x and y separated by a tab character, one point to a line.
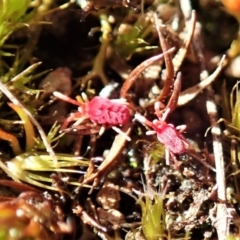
169	136
99	110
104	111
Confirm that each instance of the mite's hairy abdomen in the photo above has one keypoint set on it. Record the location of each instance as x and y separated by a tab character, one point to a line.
104	111
171	138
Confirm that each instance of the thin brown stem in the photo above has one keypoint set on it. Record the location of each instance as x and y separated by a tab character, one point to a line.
137	71
169	78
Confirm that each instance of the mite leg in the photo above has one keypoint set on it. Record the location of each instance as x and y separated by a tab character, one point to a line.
181	128
143	120
118	130
66	98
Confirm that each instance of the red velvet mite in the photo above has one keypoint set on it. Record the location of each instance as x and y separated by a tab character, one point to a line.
167	134
104	111
99	110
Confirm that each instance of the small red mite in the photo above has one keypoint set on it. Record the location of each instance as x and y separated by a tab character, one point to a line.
104	111
167	134
99	110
